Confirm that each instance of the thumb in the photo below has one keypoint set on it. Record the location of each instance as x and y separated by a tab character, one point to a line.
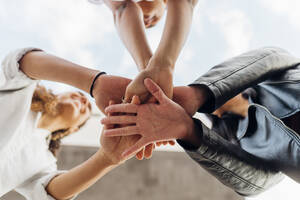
155	90
128	96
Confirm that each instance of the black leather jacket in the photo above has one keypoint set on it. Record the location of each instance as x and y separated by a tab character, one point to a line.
250	154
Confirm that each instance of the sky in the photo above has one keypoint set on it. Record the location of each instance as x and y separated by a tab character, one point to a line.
84	33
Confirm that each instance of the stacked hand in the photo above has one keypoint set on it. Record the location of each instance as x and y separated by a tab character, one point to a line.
109	88
150	122
113	88
161	76
114	146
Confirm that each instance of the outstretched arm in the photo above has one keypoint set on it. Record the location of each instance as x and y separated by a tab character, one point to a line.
161	65
128	19
71	183
177	27
104	160
42	66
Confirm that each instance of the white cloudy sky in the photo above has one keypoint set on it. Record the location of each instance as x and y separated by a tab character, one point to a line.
84	33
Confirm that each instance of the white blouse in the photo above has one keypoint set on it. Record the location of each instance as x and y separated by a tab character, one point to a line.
26	164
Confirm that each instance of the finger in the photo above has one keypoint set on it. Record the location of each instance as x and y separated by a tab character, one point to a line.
122	119
148	151
124	131
109	126
140	154
128	97
155	90
111	102
122	108
165	142
172	142
135	100
158	143
136	147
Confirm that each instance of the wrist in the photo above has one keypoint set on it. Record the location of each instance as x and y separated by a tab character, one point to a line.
143	62
159	69
104	159
199	96
161	63
193	130
96	82
188	128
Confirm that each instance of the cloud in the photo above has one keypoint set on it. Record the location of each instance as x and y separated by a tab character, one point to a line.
183	67
198	17
287	8
235	27
69	27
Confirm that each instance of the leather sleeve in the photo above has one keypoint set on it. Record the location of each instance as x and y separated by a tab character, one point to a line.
245	177
231	77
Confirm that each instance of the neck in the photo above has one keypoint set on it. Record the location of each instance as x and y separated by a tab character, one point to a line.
49	123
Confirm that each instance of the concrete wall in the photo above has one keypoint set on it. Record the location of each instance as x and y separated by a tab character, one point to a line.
167	176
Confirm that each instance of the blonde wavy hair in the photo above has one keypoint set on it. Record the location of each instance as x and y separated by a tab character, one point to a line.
45	101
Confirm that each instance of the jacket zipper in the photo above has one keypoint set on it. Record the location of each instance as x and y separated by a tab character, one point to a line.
295	134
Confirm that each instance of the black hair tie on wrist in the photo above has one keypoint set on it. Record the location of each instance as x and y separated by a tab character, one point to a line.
92	86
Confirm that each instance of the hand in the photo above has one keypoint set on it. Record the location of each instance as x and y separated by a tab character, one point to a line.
191	98
153	122
108	88
145	152
113	147
163	77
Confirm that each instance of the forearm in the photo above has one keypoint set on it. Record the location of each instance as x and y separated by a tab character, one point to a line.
178	23
79	178
130	26
43	66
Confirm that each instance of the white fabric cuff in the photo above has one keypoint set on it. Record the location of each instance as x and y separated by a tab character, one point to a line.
13	77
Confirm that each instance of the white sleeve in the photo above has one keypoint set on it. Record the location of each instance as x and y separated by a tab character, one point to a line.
96	1
11	77
35	188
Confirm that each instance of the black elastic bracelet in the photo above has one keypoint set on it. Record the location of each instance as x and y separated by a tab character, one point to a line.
92	86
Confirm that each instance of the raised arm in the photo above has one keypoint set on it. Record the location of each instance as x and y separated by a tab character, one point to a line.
40	65
161	65
129	23
177	27
43	66
71	183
